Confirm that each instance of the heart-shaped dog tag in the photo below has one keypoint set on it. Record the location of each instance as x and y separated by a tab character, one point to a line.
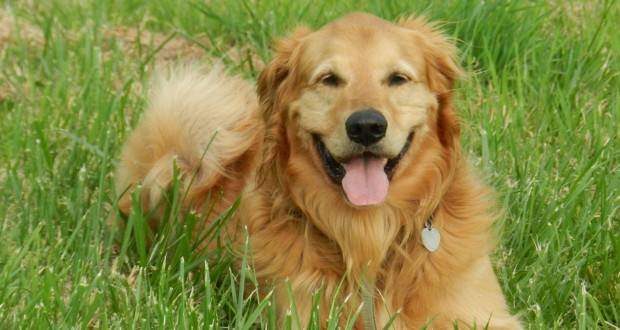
430	238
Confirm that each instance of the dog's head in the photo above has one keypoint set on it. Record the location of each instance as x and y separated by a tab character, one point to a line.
354	104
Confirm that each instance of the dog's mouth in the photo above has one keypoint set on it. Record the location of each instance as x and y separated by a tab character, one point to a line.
364	178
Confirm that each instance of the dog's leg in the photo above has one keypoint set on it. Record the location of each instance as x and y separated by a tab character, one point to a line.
477	301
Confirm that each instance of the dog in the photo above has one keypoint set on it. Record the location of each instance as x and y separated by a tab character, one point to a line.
350	172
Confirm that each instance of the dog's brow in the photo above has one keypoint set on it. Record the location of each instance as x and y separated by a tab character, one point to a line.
407	69
320	70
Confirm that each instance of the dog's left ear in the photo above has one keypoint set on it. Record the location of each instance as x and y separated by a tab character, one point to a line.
440	54
442	71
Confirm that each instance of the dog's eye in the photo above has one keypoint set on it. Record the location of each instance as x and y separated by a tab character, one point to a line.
397	79
331	80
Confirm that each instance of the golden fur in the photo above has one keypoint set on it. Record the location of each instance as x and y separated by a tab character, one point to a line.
302	230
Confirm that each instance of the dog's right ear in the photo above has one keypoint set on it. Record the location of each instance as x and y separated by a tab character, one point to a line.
286	51
273	87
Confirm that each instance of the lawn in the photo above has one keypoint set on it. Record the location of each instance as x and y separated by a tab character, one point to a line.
540	111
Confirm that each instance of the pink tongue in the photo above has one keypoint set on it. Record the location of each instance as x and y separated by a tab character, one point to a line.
365	181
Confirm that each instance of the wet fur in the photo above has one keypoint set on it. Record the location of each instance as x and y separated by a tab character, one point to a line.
303	233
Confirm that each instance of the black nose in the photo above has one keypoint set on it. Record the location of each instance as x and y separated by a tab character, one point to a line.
366	127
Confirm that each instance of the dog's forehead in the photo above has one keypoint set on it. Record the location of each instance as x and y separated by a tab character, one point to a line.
358	31
362	38
357	19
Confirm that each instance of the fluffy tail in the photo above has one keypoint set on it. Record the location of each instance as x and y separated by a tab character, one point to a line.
205	122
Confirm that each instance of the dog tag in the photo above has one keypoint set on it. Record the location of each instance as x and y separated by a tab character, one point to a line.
430	238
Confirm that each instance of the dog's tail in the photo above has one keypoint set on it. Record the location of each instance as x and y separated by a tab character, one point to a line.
203	122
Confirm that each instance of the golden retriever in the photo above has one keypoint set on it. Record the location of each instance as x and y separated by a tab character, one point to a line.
347	156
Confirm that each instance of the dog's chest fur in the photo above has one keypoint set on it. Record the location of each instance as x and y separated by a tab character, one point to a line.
378	253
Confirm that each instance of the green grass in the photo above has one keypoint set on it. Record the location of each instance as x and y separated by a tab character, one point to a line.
540	109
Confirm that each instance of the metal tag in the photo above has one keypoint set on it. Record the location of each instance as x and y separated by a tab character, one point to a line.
430	238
